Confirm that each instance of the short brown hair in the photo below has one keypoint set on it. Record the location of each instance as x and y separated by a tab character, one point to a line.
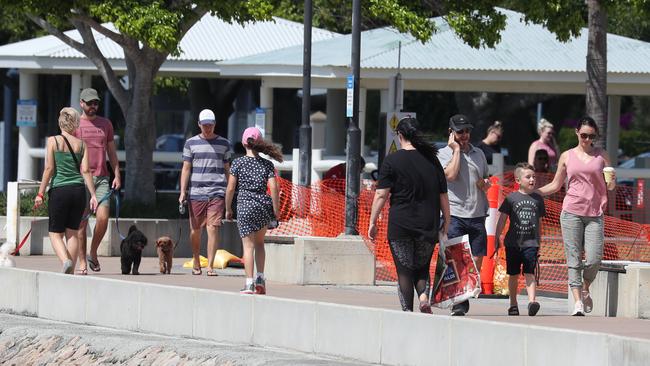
520	167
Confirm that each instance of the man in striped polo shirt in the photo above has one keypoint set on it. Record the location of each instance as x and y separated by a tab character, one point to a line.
206	166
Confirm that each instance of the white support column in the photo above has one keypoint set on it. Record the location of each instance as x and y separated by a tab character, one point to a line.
13	213
75	90
613	127
86	80
266	102
335	126
27	136
383	101
363	92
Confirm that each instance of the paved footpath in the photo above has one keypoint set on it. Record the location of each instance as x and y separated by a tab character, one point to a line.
553	312
32	341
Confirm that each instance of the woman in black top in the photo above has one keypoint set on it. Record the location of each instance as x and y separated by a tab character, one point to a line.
415	182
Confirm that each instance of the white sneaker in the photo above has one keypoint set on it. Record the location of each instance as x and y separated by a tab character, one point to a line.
578	309
587	301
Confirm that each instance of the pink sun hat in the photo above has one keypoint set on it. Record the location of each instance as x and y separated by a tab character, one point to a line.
250	133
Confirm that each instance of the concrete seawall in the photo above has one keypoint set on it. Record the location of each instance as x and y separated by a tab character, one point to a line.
366	334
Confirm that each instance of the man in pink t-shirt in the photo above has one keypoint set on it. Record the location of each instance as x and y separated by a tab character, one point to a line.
97	133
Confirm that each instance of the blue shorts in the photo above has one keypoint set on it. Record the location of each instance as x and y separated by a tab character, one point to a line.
475	228
516	257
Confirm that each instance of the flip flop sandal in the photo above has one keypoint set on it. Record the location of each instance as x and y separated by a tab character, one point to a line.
81	272
513	310
196	271
93	264
211	273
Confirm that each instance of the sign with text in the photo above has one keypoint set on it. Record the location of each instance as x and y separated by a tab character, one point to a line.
260	119
349	103
392	119
26	113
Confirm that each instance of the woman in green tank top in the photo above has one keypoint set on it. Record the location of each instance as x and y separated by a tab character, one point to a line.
66	170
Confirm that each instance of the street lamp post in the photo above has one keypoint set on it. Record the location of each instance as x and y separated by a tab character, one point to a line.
353	145
304	161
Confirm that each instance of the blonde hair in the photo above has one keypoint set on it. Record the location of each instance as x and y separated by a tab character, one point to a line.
543	123
68	119
496	126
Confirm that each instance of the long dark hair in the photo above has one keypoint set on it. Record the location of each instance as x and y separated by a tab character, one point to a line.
261	146
587	121
408	128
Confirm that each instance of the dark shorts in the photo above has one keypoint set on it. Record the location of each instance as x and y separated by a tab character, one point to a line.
65	207
475	228
208	212
516	257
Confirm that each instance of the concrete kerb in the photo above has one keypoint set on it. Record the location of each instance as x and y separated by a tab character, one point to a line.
371	335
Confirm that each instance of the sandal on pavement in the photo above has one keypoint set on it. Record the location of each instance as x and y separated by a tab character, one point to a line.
93	264
211	273
513	310
81	272
196	271
425	307
533	308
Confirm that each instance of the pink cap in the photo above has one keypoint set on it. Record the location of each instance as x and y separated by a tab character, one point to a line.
251	133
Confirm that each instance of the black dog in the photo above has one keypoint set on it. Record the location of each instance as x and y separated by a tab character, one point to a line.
131	249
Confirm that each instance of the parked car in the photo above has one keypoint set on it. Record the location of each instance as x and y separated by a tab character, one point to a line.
167	174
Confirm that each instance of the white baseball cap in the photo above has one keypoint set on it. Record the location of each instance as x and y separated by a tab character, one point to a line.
206	117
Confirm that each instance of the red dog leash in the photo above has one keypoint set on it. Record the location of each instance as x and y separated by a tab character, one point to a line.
22	242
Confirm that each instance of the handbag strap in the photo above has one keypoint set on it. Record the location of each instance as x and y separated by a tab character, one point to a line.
74	156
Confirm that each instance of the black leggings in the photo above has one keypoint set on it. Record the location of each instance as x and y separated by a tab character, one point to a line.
412	259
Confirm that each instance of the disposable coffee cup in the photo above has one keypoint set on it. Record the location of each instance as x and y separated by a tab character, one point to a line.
608	172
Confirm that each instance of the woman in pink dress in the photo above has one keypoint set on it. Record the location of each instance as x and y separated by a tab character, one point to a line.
546	142
582	217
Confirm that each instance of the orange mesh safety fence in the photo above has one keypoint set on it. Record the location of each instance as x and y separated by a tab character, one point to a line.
319	210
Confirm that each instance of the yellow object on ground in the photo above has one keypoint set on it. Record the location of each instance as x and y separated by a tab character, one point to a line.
221	260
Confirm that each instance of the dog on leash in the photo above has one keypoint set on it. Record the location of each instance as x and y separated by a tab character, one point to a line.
165	249
131	250
5	255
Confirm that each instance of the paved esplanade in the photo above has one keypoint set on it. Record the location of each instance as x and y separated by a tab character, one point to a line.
553	312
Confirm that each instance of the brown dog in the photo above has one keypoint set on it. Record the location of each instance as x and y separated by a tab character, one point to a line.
165	249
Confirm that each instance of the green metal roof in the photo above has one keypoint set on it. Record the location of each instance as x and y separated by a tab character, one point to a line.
523	47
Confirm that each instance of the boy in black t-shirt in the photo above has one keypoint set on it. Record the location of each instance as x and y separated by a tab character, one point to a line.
525	210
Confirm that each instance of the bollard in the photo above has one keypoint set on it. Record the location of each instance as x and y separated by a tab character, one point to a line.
487	268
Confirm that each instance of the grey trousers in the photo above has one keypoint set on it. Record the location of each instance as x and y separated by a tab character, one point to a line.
582	234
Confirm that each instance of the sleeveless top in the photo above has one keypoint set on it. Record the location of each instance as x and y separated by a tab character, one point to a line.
552	154
587	193
66	171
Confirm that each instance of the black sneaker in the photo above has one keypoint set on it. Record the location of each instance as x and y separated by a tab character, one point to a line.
260	286
248	289
460	309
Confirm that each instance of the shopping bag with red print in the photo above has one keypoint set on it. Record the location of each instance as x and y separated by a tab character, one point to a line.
457	278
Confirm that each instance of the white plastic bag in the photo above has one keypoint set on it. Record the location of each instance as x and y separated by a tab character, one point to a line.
457	278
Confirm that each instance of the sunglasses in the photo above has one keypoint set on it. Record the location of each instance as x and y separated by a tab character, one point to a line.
92	102
463	131
589	136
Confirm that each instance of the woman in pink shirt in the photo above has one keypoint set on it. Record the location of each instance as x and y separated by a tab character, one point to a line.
546	142
582	210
